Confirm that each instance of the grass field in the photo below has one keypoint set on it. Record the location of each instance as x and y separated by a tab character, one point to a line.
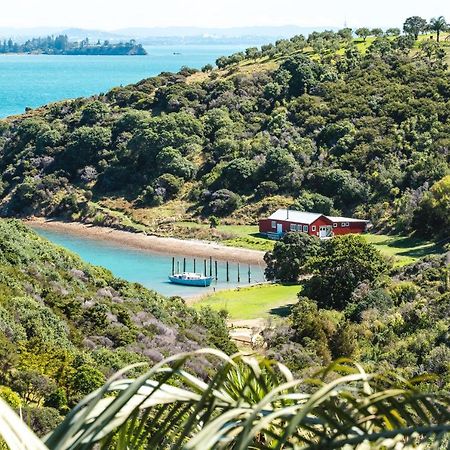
404	250
253	302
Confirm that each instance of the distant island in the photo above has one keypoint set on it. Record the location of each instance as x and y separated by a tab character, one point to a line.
60	45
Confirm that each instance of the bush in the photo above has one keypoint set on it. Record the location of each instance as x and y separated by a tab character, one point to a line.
168	185
342	264
10	397
266	189
290	256
223	202
313	202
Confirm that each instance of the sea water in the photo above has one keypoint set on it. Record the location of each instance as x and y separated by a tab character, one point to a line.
148	268
36	80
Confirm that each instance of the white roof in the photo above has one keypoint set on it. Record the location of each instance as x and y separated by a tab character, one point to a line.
295	216
307	218
346	219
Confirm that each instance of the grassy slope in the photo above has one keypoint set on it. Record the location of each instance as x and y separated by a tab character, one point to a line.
404	250
253	302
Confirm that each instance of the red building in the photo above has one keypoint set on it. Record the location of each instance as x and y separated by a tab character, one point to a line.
286	220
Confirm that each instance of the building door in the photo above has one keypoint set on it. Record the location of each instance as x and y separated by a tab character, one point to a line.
279	228
323	232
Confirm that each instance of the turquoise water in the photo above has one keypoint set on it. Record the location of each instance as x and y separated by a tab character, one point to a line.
149	269
35	80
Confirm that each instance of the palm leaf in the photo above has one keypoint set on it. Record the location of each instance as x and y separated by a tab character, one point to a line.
249	402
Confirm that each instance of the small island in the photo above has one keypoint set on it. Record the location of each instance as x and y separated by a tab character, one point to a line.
60	45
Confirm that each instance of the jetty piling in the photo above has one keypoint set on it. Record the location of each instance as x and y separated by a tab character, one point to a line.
228	273
210	266
215	269
239	273
249	274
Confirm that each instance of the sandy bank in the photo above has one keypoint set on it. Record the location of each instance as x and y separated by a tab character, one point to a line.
171	246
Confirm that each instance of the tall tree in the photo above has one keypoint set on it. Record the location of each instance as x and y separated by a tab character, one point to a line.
363	33
438	24
414	26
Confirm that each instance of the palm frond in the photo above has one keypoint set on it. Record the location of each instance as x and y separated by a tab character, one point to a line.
249	402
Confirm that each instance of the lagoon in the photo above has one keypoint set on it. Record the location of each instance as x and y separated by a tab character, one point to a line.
148	268
35	80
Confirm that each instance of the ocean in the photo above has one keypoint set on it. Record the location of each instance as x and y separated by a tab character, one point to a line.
35	80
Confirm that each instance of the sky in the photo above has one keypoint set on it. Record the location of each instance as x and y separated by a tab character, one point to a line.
115	14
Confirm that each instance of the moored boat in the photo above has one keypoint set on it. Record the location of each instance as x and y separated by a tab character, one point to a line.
191	279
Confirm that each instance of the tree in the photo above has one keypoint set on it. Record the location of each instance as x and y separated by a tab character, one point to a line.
432	217
207	68
346	33
393	32
377	32
290	256
438	24
214	221
363	33
84	380
239	175
223	202
94	112
341	265
414	26
313	202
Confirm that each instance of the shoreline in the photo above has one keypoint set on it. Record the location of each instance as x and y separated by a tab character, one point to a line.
155	244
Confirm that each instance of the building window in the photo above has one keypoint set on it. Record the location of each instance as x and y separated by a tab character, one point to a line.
305	228
313	228
293	227
334	225
274	224
345	224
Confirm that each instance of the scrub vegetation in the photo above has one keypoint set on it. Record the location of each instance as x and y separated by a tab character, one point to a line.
358	126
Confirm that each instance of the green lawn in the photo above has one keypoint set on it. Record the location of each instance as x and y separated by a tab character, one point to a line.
404	250
253	302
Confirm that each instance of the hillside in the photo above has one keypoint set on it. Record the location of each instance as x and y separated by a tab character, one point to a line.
330	124
66	326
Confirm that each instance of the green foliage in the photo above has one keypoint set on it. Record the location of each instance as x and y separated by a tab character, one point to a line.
341	265
249	402
66	326
9	396
414	26
310	201
84	380
363	124
432	217
290	257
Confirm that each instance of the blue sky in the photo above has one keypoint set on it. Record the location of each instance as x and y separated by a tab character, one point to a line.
113	14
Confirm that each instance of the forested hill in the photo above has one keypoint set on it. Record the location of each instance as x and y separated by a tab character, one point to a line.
331	124
66	326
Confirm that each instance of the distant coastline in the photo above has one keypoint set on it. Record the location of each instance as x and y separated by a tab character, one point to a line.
60	45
